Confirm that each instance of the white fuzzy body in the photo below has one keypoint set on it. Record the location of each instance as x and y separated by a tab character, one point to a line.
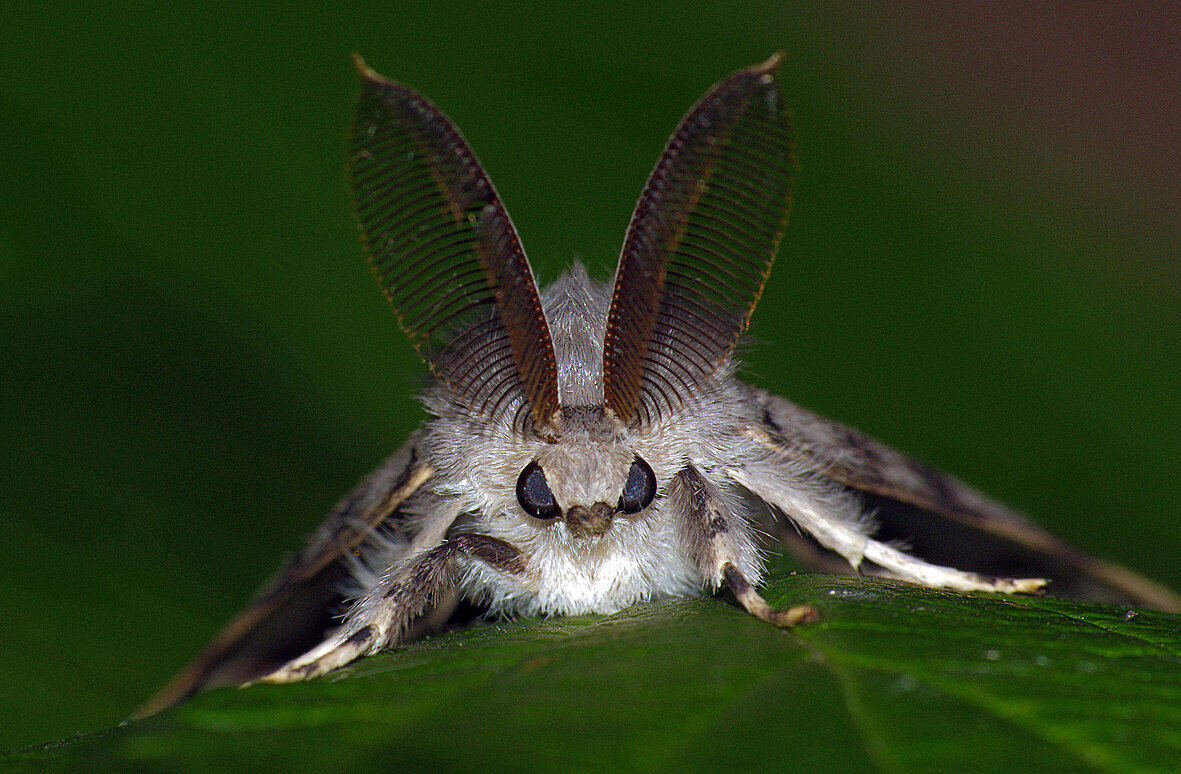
637	562
641	557
649	555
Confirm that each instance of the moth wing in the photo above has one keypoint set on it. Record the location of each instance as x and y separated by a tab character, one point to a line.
297	608
941	519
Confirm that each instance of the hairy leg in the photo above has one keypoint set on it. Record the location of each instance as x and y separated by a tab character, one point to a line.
723	545
836	519
382	618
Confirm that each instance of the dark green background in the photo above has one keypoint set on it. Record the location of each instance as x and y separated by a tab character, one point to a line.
982	269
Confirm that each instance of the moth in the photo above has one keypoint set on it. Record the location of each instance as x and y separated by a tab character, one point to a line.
588	446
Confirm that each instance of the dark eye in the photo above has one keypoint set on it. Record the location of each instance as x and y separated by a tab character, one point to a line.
534	495
639	489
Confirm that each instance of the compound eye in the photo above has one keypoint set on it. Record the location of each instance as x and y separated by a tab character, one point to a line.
534	495
639	489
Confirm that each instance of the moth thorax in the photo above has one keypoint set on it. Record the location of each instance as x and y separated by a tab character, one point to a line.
594	422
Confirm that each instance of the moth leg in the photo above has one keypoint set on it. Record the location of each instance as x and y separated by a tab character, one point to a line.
754	603
723	546
901	565
835	518
382	618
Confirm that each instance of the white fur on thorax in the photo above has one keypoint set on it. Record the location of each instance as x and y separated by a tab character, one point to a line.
636	561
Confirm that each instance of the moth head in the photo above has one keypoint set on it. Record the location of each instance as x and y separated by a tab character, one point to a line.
586	478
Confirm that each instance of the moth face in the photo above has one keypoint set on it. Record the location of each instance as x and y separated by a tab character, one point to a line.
584	484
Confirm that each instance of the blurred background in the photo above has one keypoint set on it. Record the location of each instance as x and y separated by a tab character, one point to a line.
982	269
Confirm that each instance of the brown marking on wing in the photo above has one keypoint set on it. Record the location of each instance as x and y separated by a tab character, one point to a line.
860	461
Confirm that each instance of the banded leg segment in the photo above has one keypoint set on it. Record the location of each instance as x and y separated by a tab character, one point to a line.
382	618
723	545
754	603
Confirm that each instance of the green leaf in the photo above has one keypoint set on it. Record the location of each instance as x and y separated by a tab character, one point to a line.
893	678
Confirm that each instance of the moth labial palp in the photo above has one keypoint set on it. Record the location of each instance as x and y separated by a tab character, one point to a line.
589	447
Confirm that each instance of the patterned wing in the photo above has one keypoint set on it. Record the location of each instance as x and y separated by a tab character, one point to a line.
942	519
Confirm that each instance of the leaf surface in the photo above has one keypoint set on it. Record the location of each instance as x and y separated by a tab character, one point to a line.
893	678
